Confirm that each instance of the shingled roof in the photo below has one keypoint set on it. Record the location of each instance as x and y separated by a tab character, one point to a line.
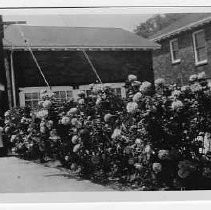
45	37
187	22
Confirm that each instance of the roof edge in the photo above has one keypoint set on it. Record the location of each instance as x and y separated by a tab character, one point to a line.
6	47
184	28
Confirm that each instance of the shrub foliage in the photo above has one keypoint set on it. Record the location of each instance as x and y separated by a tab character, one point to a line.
157	138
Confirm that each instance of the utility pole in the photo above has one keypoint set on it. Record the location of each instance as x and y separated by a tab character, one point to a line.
7	98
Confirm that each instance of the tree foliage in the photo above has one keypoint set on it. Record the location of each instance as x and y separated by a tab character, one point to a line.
157	23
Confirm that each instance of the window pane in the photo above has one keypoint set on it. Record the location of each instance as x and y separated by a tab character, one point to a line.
27	96
174	50
175	55
62	95
88	92
35	103
33	95
201	54
117	91
200	40
175	45
69	94
28	103
56	94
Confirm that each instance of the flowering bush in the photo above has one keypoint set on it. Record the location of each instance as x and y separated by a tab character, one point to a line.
153	139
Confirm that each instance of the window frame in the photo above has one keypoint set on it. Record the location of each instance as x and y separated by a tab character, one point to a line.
23	91
75	92
174	61
197	62
112	85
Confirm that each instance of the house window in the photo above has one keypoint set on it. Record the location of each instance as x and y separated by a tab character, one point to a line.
117	91
174	49
32	99
118	88
63	95
30	96
199	45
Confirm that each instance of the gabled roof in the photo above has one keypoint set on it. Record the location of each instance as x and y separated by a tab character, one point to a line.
45	37
187	22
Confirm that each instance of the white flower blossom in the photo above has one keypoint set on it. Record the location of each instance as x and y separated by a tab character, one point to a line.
97	88
176	93
137	97
46	93
98	101
157	167
7	113
42	129
138	141
185	88
159	82
75	139
47	104
12	139
163	154
132	78
136	83
116	133
145	87
42	114
7	122
76	148
40	103
81	101
72	111
148	149
49	124
75	122
65	120
207	142
177	105
196	87
202	75
193	77
107	117
132	107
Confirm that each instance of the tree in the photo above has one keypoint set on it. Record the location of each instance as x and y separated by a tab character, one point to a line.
157	23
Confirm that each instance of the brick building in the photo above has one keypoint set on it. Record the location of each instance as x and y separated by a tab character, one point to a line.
114	52
185	48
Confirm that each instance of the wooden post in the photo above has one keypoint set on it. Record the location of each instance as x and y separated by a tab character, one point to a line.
3	95
13	79
6	96
8	77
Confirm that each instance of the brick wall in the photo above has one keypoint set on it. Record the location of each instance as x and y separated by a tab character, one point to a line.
63	68
180	72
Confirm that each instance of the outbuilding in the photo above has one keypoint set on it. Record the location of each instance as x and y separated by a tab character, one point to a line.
68	58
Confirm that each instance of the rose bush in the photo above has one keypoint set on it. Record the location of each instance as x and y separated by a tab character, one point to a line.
156	138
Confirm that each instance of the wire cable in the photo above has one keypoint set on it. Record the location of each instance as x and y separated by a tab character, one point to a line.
33	56
92	66
85	54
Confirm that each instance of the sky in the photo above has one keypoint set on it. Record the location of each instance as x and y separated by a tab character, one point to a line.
125	21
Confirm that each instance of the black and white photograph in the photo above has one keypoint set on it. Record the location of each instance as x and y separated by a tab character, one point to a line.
105	102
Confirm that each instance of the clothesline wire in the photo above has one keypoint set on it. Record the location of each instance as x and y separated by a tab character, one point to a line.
37	64
86	56
92	66
33	56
